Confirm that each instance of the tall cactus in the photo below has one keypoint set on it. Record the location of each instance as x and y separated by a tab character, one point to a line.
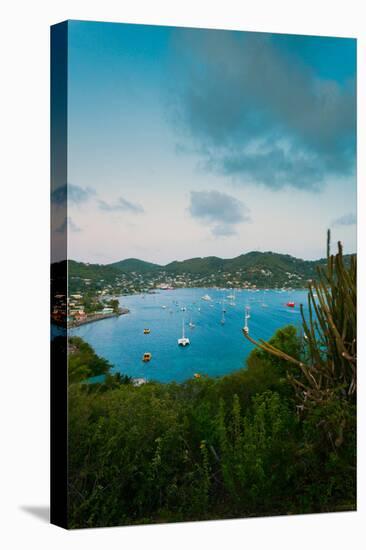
328	362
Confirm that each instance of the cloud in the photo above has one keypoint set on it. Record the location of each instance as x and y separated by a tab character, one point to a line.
220	211
122	205
347	219
258	113
223	230
71	193
69	225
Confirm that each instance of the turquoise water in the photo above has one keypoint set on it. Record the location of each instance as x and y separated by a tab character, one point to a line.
215	349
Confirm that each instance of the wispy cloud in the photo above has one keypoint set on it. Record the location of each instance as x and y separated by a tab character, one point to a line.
220	211
260	114
71	193
347	219
68	224
121	205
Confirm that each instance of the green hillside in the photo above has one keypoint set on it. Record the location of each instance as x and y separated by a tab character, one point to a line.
262	269
196	265
134	265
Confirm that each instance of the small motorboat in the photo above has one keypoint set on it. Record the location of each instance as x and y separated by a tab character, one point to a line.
146	357
147	331
290	304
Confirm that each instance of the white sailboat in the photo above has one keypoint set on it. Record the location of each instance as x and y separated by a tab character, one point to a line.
246	317
183	341
232	299
191	323
263	303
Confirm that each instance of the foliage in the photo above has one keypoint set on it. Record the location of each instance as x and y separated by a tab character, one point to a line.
132	264
113	303
326	371
84	363
208	448
331	333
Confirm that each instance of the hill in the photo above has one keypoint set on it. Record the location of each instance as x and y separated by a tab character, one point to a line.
134	265
261	269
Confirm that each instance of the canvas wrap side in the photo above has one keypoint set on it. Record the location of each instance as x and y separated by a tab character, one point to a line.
59	493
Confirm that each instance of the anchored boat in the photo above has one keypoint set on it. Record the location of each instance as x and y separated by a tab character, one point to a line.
246	317
183	341
223	313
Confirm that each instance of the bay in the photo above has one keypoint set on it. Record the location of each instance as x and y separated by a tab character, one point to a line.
215	349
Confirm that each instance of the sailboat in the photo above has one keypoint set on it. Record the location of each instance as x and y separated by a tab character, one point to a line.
263	303
223	313
231	297
183	341
191	323
246	317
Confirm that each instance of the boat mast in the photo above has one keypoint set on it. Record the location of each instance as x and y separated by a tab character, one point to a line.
246	328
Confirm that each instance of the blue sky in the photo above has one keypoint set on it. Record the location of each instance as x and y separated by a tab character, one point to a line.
189	142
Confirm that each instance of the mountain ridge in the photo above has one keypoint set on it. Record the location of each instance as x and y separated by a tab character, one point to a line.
204	263
251	269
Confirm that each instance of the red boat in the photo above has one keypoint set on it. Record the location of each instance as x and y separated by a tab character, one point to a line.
290	304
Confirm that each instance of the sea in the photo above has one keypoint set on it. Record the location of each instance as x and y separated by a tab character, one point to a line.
215	348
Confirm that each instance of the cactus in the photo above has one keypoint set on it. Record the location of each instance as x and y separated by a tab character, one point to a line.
328	364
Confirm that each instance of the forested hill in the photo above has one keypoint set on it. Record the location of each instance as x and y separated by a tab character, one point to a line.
134	265
263	269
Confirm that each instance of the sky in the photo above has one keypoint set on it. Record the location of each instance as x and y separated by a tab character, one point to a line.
192	142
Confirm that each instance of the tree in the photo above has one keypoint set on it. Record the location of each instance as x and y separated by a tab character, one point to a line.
327	368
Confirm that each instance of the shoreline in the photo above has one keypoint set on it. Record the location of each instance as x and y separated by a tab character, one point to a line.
100	317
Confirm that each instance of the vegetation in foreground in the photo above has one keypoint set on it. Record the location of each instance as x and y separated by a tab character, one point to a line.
273	438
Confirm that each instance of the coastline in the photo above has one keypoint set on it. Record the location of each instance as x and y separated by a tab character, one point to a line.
98	317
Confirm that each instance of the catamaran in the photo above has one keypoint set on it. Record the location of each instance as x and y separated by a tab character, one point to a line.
183	341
